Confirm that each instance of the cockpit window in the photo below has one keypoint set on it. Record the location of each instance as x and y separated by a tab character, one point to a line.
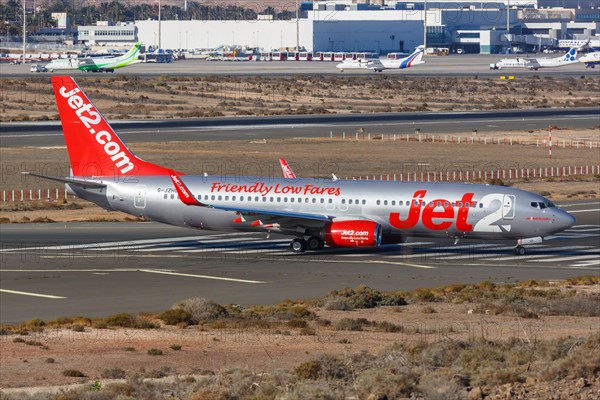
542	205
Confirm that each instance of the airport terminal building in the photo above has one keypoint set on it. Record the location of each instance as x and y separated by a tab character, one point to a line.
371	25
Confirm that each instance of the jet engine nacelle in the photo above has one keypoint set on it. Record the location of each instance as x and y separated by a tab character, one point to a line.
357	233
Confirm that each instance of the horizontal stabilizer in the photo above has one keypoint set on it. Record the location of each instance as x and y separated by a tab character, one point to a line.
72	181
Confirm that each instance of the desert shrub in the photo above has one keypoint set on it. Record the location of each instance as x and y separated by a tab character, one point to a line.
310	369
337	303
155	352
351	324
297	323
129	348
78	328
441	385
50	360
307	331
73	373
314	390
122	320
18	340
424	295
385	326
175	347
202	309
113	373
382	383
175	316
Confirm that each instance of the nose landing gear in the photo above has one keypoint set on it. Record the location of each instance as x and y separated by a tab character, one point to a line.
520	250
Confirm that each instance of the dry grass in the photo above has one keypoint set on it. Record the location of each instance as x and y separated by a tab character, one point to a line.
122	97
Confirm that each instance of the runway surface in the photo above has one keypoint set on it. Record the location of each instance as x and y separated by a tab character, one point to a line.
97	269
453	65
279	127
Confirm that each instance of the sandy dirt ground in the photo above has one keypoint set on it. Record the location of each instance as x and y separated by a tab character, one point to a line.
258	349
123	97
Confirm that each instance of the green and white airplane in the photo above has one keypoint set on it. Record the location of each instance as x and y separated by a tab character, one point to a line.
97	64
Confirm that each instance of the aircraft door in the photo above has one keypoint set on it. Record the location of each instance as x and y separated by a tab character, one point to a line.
139	200
508	206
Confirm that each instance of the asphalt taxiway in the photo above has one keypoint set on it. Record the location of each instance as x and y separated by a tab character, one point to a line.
452	65
285	127
96	269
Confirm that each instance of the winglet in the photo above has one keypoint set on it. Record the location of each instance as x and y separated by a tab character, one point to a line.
185	195
287	170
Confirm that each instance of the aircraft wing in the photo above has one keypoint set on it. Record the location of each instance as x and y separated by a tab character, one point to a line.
531	63
375	64
256	216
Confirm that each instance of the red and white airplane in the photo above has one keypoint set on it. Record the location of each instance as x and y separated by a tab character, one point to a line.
315	212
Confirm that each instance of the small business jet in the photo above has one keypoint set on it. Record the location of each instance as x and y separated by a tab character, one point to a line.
591	59
378	65
536	63
314	212
97	64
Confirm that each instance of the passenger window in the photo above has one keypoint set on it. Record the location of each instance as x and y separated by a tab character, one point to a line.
306	200
271	199
165	195
220	198
241	198
285	199
232	198
199	197
330	201
378	202
343	201
226	198
292	199
467	205
480	205
416	203
350	201
256	198
279	199
314	200
459	204
393	202
364	202
446	204
439	203
322	201
172	196
212	197
264	199
205	197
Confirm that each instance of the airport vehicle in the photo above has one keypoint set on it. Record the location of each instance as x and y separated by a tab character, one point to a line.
97	64
591	59
536	63
37	68
315	212
379	65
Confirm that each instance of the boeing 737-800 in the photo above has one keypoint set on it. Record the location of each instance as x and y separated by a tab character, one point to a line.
379	65
536	63
97	64
315	212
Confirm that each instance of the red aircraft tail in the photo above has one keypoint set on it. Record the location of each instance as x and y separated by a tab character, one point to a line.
93	146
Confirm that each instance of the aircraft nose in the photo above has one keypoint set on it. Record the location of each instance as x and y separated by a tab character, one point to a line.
565	220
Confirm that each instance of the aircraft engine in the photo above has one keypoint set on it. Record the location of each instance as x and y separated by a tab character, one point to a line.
358	233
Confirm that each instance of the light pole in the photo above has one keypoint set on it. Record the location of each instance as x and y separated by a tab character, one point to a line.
425	28
24	31
297	26
159	7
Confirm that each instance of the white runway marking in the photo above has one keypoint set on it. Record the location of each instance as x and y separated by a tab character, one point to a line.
218	278
571	258
581	211
46	296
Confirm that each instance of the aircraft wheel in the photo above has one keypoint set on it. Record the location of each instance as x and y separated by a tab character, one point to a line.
315	243
520	251
298	245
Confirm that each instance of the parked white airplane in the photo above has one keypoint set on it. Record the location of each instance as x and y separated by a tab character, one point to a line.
535	63
591	59
339	213
379	65
97	64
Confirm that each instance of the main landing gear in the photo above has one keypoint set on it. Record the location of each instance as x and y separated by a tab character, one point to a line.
300	245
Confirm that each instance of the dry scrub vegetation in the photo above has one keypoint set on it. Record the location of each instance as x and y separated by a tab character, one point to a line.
125	97
396	361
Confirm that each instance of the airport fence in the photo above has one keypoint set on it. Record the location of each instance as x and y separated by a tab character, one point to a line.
511	174
458	139
485	175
